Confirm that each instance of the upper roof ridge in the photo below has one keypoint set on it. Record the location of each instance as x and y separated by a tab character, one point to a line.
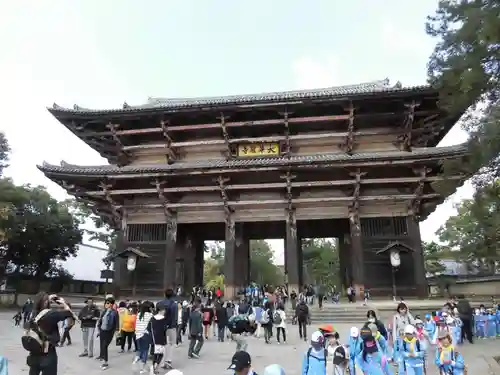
152	103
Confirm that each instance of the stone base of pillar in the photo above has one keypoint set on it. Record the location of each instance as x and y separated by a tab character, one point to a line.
359	289
230	292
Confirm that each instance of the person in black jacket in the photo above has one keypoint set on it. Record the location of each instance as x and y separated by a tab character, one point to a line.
45	322
88	316
372	318
302	315
222	318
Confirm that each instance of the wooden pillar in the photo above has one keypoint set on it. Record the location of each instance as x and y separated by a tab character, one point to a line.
199	261
418	256
293	272
243	257
119	264
189	264
358	276
229	259
169	265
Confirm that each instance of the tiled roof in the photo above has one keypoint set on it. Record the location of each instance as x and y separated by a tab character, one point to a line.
367	88
435	152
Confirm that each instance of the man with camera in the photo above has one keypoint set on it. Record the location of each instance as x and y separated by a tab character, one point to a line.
41	334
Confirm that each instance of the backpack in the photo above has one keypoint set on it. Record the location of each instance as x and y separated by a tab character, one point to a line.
34	340
417	345
277	318
264	319
302	311
319	359
235	319
339	355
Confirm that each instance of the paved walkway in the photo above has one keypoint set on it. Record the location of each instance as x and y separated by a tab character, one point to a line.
215	357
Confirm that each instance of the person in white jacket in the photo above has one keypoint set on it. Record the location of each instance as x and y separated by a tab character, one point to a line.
279	321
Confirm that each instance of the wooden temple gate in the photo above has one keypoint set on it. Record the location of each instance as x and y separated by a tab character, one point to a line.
359	163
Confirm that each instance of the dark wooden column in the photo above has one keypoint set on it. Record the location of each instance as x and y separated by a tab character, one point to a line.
119	264
293	273
230	259
358	276
418	256
199	261
242	256
169	266
189	255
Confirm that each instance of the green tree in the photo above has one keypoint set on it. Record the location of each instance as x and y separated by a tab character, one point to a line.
321	261
262	267
4	153
39	232
263	270
473	233
433	253
465	67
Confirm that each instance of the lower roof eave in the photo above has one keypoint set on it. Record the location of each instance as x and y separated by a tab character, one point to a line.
233	165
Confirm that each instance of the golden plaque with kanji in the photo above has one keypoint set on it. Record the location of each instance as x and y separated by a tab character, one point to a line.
252	150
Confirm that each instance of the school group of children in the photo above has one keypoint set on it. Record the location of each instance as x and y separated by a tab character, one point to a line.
417	344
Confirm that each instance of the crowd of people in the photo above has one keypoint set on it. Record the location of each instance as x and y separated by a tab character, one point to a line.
151	330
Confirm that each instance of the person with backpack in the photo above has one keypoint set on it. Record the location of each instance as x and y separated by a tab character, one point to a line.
41	334
371	360
302	315
279	320
314	362
266	321
355	347
238	325
413	353
447	359
339	354
400	320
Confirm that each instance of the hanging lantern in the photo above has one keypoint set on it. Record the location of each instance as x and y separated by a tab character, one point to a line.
395	257
131	261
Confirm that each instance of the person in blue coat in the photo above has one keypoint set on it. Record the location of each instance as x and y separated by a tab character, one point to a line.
447	359
480	324
491	324
314	362
371	360
380	339
498	320
430	328
354	346
413	352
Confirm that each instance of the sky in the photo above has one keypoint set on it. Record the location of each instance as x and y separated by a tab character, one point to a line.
99	54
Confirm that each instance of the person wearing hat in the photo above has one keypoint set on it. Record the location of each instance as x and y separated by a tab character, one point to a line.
241	363
371	360
274	370
314	362
413	353
354	346
447	359
339	354
381	341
